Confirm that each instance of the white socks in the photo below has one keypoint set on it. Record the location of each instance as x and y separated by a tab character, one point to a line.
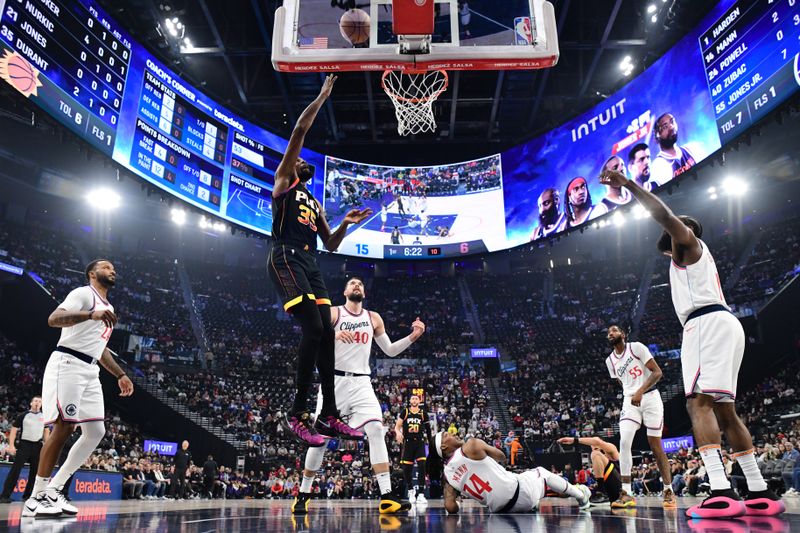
40	486
305	485
713	463
559	484
627	488
384	482
747	460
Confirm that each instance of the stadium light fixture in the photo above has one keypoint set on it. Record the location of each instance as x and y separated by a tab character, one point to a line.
103	199
178	216
733	186
618	219
626	66
651	8
654	19
639	212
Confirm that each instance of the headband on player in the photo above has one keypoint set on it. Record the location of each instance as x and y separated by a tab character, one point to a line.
437	441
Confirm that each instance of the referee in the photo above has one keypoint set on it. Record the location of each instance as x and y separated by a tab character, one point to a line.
32	433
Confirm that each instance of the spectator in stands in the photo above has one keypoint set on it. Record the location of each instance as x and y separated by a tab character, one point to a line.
209	473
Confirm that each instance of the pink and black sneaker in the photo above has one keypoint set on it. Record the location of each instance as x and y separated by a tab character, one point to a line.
332	427
298	425
719	504
764	503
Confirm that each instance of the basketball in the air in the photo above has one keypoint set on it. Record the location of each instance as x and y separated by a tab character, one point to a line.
354	26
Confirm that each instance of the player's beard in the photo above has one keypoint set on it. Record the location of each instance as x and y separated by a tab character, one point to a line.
669	142
615	341
305	174
106	282
549	217
355	297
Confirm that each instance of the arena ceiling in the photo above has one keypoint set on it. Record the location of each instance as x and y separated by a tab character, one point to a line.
481	112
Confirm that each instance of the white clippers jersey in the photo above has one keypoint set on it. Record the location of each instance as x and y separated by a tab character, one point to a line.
630	367
89	337
695	286
354	357
484	481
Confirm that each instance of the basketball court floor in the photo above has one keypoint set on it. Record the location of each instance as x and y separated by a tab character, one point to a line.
554	515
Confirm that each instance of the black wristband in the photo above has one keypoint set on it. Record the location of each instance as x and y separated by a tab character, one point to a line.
575	441
123	375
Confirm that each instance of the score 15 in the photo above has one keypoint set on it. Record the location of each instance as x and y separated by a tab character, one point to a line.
362	249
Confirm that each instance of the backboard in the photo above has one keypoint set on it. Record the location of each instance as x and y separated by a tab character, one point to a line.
468	35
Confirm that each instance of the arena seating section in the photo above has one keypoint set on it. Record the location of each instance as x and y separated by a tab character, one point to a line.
555	338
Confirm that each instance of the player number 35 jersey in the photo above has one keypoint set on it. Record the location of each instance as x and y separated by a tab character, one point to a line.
484	481
91	336
630	367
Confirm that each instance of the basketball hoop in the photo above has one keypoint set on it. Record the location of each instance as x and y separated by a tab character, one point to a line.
413	93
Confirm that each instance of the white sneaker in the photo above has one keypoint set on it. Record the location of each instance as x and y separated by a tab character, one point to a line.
40	507
57	498
421	500
584	503
412	496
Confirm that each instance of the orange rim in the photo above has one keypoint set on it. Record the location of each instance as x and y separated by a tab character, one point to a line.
433	96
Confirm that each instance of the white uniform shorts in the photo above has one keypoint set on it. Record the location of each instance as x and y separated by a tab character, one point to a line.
711	355
531	490
71	389
355	400
649	413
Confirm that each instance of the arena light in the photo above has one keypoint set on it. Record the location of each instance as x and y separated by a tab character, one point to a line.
626	66
178	216
651	8
639	212
654	19
214	225
734	186
103	199
618	219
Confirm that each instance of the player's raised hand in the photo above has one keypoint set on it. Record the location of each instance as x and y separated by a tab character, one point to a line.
105	316
355	216
418	328
345	336
327	86
125	386
613	178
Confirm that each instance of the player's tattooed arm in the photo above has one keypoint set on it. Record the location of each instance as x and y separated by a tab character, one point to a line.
450	498
125	384
61	318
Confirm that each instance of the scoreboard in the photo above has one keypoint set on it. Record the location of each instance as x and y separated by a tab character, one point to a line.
750	58
80	66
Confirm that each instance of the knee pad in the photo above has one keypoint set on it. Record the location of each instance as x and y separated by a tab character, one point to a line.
314	457
378	454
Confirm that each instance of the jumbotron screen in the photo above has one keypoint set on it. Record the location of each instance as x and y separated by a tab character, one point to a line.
79	65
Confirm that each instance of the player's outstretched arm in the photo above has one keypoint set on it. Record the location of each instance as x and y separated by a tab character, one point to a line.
681	234
125	384
61	318
332	240
285	171
595	442
393	349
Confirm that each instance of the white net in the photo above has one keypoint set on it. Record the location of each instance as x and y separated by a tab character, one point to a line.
413	95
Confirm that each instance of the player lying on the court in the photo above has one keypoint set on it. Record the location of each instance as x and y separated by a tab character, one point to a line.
712	350
605	465
473	468
356	328
632	365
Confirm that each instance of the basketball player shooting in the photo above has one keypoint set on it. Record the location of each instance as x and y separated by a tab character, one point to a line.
298	221
711	354
474	469
356	328
632	365
71	390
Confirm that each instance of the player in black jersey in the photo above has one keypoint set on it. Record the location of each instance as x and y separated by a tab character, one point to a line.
413	431
605	469
297	222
